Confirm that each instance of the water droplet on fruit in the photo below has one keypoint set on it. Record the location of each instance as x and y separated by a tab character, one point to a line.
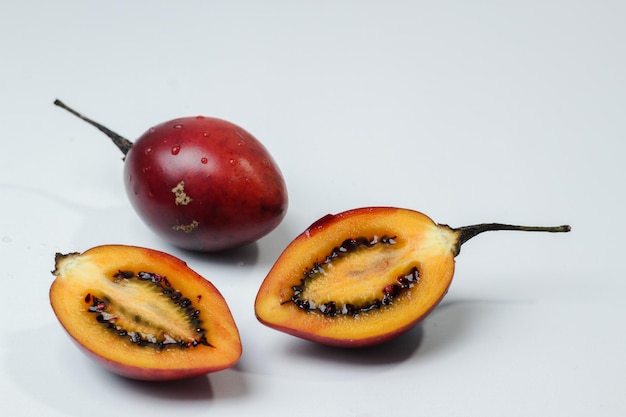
233	162
151	130
148	150
178	126
204	160
199	117
205	134
175	149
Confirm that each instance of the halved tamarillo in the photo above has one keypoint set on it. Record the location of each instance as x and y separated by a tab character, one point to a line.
143	314
364	276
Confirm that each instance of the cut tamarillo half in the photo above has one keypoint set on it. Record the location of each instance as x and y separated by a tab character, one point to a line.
143	314
364	276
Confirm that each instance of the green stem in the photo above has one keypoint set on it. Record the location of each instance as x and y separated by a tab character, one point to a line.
467	232
121	142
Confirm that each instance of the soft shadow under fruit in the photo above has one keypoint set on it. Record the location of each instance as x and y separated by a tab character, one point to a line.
364	276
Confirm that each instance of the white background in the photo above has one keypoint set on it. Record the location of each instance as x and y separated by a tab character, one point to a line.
507	111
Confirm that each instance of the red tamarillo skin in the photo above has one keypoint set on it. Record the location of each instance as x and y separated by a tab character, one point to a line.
201	183
204	184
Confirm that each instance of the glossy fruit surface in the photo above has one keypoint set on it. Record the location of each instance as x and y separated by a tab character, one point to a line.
202	183
364	276
143	314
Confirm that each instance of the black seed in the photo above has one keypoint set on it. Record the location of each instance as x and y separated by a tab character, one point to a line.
351	309
124	274
146	276
387	299
390	291
88	298
330	308
388	240
303	304
97	306
349	245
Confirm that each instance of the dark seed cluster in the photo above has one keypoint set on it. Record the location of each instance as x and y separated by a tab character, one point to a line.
403	282
99	306
332	308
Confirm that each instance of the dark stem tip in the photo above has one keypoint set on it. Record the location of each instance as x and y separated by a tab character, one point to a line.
467	232
121	142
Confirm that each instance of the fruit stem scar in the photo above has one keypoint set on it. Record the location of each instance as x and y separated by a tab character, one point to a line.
187	228
121	142
181	198
465	233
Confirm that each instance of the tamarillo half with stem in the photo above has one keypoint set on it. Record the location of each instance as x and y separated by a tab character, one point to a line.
365	276
201	183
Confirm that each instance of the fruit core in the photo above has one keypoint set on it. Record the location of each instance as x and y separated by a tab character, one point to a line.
361	275
145	309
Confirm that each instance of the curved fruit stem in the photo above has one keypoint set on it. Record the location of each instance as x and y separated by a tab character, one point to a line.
121	142
467	232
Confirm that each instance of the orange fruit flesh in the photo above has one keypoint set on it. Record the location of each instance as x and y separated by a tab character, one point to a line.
360	277
142	309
